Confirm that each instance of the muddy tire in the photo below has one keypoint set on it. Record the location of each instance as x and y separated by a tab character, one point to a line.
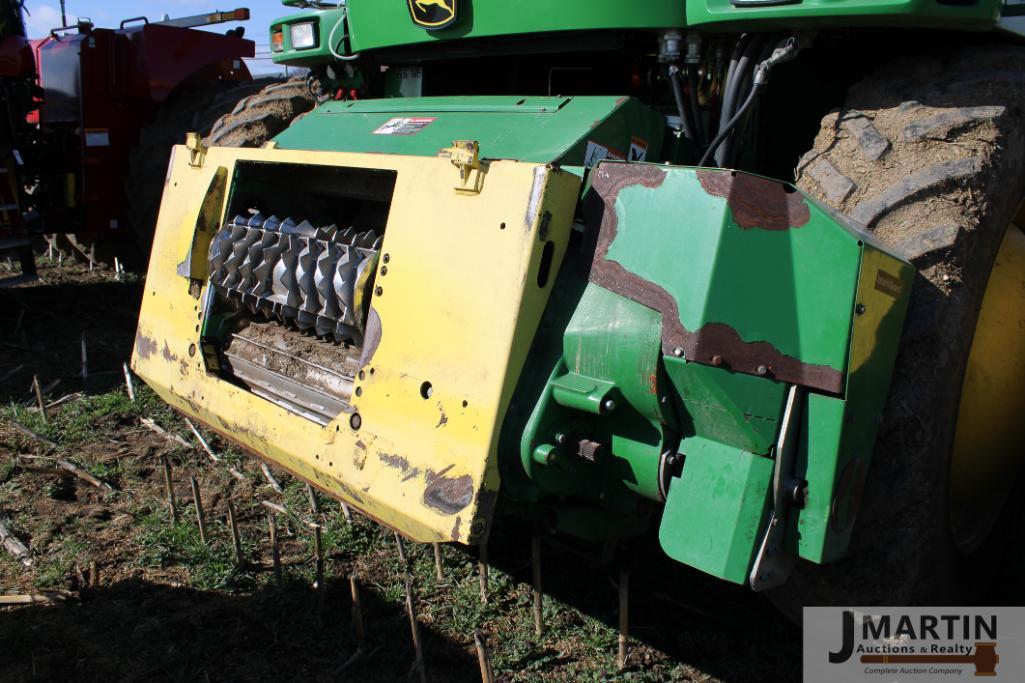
929	155
194	109
262	115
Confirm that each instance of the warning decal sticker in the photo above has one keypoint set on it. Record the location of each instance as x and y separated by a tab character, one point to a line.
404	126
638	149
597	152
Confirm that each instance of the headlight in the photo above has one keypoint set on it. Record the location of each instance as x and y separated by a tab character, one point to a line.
303	36
277	41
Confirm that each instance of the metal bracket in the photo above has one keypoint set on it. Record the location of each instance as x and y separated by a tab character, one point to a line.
194	266
773	563
465	155
197	150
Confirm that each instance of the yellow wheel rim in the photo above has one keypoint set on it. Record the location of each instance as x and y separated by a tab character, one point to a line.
990	433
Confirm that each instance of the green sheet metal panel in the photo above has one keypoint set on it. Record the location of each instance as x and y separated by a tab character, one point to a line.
715	511
733	16
611	344
375	24
838	435
538	129
729	407
749	274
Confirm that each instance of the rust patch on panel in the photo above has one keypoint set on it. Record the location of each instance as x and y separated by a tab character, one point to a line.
448	494
716	344
396	461
399	463
168	355
144	346
455	529
756	202
359	455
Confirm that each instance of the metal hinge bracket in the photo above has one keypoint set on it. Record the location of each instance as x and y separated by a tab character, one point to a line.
465	155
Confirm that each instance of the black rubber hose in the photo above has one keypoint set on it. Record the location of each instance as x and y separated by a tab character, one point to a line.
740	88
738	50
730	150
728	128
695	107
674	83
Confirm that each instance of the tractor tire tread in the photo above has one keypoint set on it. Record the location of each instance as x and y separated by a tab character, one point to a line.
942	197
264	114
193	109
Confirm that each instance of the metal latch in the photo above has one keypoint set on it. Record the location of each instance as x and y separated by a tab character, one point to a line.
197	150
465	155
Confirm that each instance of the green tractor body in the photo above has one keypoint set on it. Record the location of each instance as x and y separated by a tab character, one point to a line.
714	348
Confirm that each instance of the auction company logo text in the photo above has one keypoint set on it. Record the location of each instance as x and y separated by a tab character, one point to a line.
894	644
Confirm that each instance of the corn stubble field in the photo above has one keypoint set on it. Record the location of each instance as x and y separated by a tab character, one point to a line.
134	595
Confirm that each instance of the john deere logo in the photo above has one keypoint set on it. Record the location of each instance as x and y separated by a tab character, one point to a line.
432	14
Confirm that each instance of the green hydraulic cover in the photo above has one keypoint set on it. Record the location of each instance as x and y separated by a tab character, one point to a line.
376	24
573	131
749	275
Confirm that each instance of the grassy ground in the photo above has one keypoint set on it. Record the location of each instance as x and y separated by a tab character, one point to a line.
170	607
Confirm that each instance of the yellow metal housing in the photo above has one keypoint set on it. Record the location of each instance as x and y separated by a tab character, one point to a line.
458	308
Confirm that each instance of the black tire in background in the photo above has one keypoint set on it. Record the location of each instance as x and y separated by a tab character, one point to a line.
262	115
929	155
191	109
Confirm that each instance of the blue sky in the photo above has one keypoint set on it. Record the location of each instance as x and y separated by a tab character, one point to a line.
43	15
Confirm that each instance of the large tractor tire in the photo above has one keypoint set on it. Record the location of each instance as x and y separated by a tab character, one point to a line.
193	109
262	115
929	156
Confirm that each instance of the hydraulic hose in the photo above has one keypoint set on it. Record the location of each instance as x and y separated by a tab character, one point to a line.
728	128
674	84
738	91
784	51
695	108
738	50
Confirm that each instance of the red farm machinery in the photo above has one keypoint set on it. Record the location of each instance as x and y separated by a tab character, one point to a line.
90	116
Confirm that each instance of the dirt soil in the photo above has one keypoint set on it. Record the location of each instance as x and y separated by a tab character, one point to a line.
166	606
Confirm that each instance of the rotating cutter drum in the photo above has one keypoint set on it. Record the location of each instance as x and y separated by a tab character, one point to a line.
317	279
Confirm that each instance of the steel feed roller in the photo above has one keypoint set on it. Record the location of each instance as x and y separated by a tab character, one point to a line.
314	278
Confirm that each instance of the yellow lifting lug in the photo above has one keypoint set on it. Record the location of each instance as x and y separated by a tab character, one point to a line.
197	150
465	155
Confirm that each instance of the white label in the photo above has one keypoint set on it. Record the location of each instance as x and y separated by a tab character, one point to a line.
638	149
404	126
97	137
596	152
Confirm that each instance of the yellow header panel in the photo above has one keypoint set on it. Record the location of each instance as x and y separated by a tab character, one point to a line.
456	312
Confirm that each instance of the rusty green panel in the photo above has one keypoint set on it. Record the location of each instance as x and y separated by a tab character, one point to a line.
758	287
715	511
749	274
